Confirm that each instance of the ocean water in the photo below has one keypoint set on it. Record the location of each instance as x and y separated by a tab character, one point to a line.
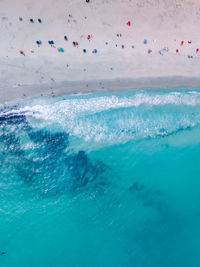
101	180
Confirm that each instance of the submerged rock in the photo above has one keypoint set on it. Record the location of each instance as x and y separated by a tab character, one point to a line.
42	160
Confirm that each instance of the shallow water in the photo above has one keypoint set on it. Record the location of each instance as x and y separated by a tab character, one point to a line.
106	179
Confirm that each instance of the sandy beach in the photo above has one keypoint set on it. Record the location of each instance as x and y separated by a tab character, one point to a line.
119	44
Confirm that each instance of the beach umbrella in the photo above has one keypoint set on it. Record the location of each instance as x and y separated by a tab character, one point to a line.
39	42
51	42
60	49
21	52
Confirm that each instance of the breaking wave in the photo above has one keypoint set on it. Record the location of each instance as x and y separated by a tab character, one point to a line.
117	118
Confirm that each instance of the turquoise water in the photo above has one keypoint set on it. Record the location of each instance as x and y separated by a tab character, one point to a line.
109	179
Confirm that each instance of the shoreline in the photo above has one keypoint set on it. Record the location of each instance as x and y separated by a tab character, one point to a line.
27	92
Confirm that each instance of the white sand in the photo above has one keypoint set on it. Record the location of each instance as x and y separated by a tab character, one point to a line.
164	23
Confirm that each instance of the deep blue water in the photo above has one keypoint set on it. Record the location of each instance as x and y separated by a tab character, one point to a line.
101	180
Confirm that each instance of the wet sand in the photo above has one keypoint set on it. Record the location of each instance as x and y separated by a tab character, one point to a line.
24	92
